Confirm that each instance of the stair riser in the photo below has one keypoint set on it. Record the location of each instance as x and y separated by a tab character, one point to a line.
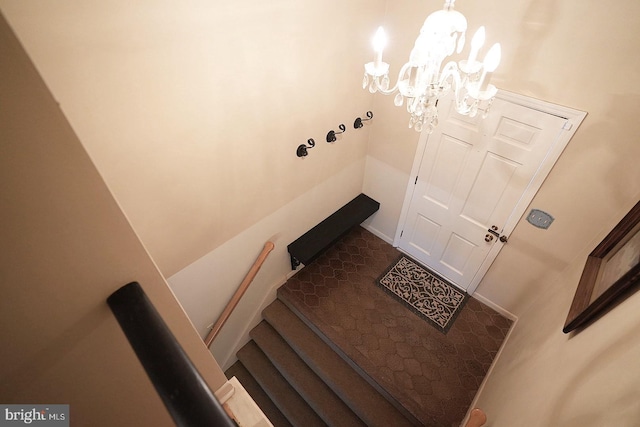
288	401
313	390
347	383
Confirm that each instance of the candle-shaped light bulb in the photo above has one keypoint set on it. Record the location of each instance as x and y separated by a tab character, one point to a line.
491	62
476	43
379	42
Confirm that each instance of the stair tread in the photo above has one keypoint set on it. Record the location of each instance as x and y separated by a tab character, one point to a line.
290	403
363	399
258	395
311	387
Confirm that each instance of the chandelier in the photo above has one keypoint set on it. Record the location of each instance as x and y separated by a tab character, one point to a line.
423	80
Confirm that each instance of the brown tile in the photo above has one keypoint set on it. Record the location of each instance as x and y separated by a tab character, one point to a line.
394	362
433	375
405	351
422	385
403	379
370	341
307	288
311	300
354	337
411	366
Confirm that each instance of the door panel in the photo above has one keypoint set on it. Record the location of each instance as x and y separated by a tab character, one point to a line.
448	165
472	175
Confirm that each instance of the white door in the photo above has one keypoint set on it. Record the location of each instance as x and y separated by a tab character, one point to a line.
473	182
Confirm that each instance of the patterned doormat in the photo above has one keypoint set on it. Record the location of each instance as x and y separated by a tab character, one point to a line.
423	292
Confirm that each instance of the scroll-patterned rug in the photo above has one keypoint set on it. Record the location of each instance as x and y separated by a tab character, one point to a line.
423	292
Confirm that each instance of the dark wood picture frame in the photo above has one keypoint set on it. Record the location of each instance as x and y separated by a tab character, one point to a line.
609	272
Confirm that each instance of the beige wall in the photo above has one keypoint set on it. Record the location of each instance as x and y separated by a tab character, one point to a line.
546	378
579	54
66	246
192	111
573	53
192	114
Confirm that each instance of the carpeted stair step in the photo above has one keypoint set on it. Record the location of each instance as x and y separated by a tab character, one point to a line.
363	399
312	389
257	394
290	403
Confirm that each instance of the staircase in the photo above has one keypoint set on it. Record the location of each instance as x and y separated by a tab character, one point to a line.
334	349
297	379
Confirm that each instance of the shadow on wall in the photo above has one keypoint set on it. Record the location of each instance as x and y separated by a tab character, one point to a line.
537	22
49	356
598	170
575	405
619	140
603	161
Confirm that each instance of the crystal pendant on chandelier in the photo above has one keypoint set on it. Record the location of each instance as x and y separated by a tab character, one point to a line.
423	80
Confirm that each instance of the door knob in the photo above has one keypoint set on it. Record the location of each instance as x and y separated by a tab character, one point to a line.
493	232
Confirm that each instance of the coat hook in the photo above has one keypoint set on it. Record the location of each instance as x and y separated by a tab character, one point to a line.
331	136
358	123
302	149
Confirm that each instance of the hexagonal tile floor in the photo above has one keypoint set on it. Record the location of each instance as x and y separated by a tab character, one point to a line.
433	376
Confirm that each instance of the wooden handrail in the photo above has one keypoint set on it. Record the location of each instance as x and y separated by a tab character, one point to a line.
268	247
477	418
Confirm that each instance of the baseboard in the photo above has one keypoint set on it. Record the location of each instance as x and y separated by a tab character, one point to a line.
496	307
508	315
490	371
244	337
377	233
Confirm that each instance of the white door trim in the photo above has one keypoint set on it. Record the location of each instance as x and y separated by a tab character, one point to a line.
574	119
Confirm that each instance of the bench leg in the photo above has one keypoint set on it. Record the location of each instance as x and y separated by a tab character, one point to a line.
294	262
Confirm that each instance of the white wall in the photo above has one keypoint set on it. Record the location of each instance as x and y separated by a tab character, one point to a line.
384	183
205	286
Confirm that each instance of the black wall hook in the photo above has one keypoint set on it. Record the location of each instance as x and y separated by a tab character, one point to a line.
331	136
358	123
302	149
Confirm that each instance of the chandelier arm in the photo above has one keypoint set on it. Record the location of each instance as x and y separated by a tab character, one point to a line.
395	87
450	70
461	105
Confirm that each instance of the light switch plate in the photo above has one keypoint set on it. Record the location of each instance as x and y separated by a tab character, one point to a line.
539	219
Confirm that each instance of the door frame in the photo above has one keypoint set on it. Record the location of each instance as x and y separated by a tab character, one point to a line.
574	119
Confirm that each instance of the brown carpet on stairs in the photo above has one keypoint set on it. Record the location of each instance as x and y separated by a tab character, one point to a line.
258	395
432	375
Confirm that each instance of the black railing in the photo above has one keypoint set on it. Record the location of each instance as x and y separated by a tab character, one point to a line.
184	392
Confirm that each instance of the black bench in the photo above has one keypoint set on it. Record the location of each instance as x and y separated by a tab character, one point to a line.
310	245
